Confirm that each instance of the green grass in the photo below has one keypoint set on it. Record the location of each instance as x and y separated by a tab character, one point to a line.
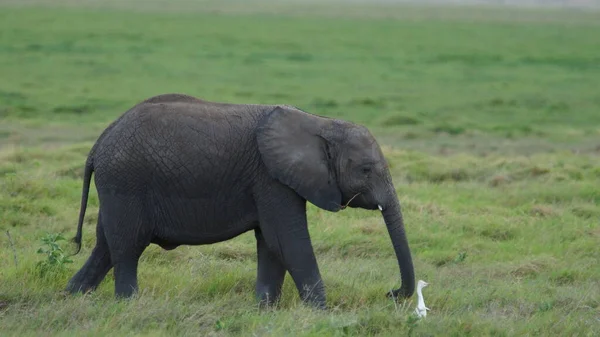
490	122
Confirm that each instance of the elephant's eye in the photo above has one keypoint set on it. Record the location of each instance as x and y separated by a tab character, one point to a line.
366	170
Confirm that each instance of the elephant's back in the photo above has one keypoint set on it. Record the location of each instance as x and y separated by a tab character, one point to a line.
177	145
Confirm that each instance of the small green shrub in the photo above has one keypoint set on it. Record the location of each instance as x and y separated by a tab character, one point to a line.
56	260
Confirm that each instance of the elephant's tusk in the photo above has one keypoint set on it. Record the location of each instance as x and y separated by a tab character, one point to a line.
380	208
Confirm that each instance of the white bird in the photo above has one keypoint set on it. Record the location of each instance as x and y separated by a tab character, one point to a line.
421	309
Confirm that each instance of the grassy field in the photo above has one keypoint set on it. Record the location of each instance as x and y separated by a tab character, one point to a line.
490	120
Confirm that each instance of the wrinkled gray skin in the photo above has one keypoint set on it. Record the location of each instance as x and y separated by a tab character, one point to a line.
175	170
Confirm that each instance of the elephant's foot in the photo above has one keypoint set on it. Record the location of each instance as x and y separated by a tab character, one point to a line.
85	281
267	300
126	279
77	288
268	293
92	273
314	296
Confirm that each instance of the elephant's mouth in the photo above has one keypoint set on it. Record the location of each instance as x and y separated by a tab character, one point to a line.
350	202
359	200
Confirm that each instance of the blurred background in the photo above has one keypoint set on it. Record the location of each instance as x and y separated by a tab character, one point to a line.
409	72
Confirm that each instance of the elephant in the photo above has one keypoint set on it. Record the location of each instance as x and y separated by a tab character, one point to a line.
178	170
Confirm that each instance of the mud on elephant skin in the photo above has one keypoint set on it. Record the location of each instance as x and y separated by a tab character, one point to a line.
176	170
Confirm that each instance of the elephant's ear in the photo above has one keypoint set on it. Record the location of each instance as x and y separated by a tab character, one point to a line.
294	153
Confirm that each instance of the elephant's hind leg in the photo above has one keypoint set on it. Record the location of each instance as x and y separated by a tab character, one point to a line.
127	238
95	268
271	273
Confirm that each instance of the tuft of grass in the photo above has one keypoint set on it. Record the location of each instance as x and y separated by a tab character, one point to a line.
400	119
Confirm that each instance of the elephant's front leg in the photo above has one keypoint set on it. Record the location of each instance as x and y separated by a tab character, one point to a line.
271	273
282	218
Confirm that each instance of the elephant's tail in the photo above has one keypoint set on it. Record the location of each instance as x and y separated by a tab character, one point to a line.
87	177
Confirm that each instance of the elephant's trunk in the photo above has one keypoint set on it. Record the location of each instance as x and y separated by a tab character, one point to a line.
395	225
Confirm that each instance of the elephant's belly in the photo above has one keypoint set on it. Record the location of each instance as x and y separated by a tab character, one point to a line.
180	221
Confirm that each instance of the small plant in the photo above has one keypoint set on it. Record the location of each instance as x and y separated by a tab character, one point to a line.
219	325
460	257
56	259
412	321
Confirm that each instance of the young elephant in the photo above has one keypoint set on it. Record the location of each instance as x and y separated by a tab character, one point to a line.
176	170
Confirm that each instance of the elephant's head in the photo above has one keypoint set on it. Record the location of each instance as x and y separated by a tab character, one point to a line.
334	164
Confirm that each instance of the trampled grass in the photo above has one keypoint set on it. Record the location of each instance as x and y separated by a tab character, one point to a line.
491	128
